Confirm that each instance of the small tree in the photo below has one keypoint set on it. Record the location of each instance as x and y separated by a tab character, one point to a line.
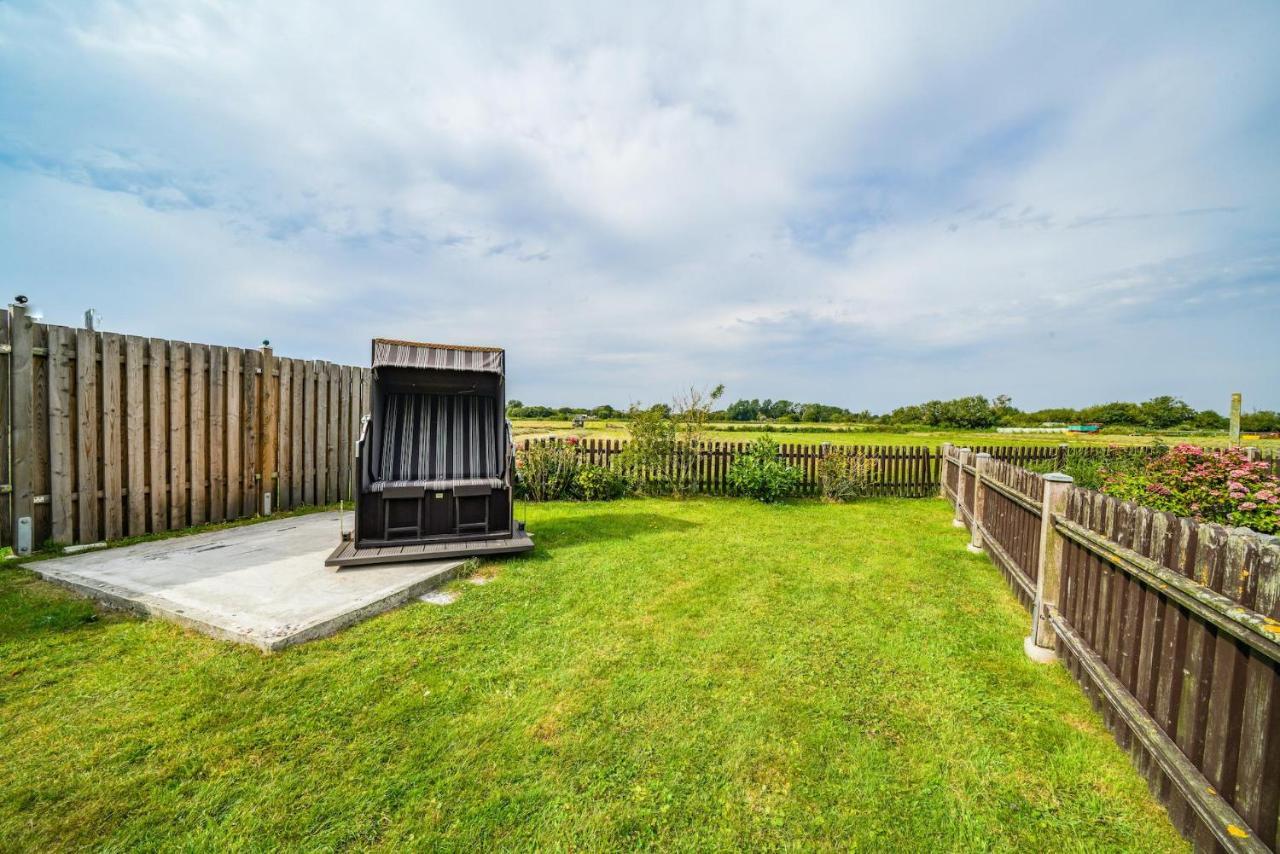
646	457
692	415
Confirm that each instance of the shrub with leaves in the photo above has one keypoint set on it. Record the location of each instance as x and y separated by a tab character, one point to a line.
1205	484
1090	469
845	475
760	474
547	471
598	483
647	457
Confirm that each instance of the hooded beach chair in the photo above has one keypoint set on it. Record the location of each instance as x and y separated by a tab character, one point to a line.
434	460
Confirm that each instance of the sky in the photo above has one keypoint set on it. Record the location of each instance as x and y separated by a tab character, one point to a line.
867	205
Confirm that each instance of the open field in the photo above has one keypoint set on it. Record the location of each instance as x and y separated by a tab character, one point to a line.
706	673
850	434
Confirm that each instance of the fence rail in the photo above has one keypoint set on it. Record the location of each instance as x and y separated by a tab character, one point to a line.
115	435
1170	626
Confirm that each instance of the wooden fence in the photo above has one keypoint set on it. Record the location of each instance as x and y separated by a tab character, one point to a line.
901	471
116	435
1170	626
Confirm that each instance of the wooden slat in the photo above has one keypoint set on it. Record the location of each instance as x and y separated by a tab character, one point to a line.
217	434
178	450
284	434
344	437
113	458
198	363
87	423
135	404
235	471
353	431
321	386
297	471
309	433
250	425
158	432
331	449
269	393
62	450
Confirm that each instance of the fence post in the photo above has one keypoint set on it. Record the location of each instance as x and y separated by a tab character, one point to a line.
1252	454
1039	645
943	452
979	501
268	409
1234	430
962	459
1062	456
21	429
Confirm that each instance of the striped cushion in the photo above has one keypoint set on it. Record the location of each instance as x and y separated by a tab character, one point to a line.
439	437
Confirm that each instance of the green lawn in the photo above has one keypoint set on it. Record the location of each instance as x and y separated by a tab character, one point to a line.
707	673
814	434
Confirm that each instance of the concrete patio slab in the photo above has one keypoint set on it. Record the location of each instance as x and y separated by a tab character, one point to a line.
263	584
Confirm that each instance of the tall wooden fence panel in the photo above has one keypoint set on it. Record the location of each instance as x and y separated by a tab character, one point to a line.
1170	626
117	435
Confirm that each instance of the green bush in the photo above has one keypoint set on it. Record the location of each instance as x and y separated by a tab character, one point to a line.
547	471
646	458
598	483
761	475
845	476
1089	468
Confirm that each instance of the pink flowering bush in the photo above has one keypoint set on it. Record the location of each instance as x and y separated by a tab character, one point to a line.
1207	484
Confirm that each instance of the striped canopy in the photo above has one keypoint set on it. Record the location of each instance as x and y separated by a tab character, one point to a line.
444	357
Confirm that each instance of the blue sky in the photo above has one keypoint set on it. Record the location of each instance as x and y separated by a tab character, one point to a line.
862	204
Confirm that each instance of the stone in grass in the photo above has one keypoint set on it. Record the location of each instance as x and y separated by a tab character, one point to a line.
440	597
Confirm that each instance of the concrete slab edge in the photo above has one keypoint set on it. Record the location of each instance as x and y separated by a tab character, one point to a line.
332	623
120	599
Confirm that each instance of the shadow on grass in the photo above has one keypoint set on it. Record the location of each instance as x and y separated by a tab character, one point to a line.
30	607
601	527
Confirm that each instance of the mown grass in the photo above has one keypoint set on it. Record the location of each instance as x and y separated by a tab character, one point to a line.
837	434
699	674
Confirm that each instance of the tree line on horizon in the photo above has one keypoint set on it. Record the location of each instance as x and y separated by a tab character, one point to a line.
974	412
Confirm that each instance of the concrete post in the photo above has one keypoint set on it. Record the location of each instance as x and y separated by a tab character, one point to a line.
1039	644
979	501
963	460
942	468
1235	419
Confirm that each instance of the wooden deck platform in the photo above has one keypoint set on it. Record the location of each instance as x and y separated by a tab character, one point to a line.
346	554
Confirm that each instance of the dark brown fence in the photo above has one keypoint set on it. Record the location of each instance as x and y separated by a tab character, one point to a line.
902	471
1171	626
116	435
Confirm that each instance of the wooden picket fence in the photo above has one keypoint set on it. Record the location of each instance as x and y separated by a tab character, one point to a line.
898	471
117	435
1170	626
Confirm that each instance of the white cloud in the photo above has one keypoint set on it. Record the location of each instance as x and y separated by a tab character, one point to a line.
634	199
